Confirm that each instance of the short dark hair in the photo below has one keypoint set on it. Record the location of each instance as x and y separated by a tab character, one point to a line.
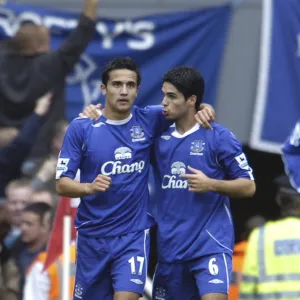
118	64
289	201
40	209
188	81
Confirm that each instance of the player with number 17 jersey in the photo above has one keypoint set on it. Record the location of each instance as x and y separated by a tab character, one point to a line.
113	226
119	149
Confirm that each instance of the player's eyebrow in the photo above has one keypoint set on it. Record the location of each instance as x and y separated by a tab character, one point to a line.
124	82
171	94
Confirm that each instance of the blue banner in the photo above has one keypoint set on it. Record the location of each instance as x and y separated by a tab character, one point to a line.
157	43
278	96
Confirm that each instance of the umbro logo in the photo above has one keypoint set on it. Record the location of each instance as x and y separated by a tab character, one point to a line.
216	281
137	281
98	124
166	137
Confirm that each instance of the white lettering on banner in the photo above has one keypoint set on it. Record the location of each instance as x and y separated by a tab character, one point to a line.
141	35
116	167
82	70
298	44
143	30
91	89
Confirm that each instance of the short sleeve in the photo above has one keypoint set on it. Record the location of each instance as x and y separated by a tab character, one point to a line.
71	152
291	157
231	157
155	120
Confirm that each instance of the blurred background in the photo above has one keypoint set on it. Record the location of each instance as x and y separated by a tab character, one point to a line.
247	50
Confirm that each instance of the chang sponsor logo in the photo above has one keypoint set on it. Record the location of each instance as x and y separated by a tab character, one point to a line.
173	181
123	153
118	167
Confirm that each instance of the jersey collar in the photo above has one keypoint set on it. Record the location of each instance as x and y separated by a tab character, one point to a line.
117	122
176	134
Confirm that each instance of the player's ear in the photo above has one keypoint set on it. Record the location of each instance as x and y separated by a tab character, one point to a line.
192	100
103	89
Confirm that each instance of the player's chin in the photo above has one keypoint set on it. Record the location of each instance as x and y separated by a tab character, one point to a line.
124	107
170	117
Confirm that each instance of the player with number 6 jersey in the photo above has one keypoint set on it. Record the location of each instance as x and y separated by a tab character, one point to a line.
195	172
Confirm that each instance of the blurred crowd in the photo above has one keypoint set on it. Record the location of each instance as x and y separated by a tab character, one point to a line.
32	128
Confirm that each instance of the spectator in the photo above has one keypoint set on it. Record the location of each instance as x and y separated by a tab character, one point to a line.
9	275
239	252
18	196
45	175
46	285
29	70
14	154
44	196
271	267
35	231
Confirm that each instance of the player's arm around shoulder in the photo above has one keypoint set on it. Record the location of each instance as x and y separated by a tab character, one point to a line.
229	157
69	162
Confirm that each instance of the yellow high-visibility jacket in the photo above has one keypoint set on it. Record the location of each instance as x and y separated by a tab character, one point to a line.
272	263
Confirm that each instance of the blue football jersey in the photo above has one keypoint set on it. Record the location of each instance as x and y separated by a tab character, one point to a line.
119	149
291	157
191	224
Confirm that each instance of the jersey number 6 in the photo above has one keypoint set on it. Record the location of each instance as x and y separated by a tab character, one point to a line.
212	266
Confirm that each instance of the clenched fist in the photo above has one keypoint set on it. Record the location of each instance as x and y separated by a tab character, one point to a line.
100	184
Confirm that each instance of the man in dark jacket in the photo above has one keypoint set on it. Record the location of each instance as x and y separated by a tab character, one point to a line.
16	152
29	70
